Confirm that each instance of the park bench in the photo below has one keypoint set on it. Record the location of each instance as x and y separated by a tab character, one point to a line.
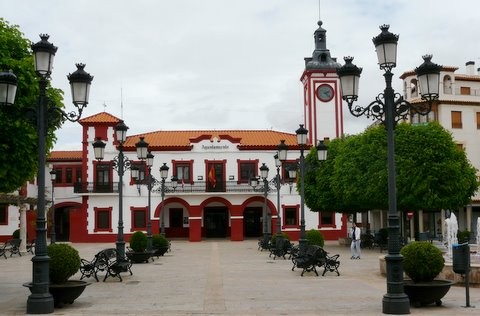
264	244
12	246
313	257
104	261
282	251
31	246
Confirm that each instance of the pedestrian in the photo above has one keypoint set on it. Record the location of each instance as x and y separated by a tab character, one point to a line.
355	246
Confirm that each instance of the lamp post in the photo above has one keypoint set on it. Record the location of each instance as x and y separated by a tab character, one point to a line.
145	155
41	301
389	108
302	141
280	157
120	164
53	177
163	174
264	175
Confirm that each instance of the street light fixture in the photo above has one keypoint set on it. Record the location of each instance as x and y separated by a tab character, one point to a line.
163	174
145	155
280	157
120	164
390	107
41	301
264	175
53	177
302	141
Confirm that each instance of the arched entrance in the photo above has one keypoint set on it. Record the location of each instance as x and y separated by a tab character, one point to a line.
215	221
62	220
252	217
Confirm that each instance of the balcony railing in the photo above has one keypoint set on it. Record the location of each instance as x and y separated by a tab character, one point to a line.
196	187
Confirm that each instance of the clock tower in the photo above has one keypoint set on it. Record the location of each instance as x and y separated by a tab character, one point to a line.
322	100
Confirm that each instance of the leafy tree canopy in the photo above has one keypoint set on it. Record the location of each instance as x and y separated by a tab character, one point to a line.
432	172
19	146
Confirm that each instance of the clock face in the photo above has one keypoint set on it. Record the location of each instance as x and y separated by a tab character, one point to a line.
325	92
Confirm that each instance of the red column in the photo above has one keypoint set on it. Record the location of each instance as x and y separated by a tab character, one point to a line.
236	223
195	223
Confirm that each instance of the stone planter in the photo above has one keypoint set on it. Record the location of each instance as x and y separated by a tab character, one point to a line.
426	293
138	257
65	293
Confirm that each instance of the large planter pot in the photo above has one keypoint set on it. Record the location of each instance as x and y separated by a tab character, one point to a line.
138	257
160	251
65	293
426	293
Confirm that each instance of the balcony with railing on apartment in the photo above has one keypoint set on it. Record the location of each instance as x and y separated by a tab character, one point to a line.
195	187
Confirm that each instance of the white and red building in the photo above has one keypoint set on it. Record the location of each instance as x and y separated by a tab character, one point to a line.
213	197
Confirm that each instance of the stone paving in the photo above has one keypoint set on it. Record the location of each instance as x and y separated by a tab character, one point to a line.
220	277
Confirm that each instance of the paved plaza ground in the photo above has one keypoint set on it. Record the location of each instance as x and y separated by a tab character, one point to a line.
220	277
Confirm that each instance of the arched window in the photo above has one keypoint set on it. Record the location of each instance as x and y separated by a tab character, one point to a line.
413	88
447	85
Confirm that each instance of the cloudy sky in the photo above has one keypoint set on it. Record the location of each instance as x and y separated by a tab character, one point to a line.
231	64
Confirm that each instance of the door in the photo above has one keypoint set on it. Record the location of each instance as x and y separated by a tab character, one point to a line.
215	176
216	222
252	221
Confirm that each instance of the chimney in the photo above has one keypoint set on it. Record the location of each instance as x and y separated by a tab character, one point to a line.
470	65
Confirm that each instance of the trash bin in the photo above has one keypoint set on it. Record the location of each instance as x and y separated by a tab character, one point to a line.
461	258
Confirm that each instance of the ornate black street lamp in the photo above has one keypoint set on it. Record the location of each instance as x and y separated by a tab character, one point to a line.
389	108
120	164
163	174
53	177
279	157
264	176
41	301
302	141
145	155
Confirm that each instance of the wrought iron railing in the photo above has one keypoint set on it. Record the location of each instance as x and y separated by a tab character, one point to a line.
195	187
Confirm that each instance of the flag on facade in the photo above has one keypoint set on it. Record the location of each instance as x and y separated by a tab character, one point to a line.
211	177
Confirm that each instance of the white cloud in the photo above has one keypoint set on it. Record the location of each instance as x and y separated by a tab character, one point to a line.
216	64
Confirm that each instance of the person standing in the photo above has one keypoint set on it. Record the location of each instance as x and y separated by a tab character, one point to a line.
355	246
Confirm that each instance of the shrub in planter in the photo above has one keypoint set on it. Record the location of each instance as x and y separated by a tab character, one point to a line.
138	241
315	237
64	262
463	236
274	238
422	261
159	241
16	234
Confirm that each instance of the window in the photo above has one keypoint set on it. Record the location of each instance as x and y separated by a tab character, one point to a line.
447	85
183	171
413	88
69	175
215	176
139	218
286	167
3	214
290	215
103	219
326	219
246	170
465	90
478	120
103	178
456	119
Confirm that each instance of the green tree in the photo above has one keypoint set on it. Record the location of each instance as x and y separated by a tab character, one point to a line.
432	172
19	146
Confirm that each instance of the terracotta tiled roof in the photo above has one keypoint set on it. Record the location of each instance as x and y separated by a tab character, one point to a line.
102	117
183	140
64	155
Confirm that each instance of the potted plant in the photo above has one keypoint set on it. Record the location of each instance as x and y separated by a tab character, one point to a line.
64	263
315	237
422	262
160	245
138	246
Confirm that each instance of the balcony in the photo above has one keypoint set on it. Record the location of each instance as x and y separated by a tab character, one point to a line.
196	187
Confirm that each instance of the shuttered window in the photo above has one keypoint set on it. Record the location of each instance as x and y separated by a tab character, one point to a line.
456	119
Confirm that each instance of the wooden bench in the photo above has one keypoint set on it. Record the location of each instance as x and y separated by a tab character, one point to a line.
105	261
313	257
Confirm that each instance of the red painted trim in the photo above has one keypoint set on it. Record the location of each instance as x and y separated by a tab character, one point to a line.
170	200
